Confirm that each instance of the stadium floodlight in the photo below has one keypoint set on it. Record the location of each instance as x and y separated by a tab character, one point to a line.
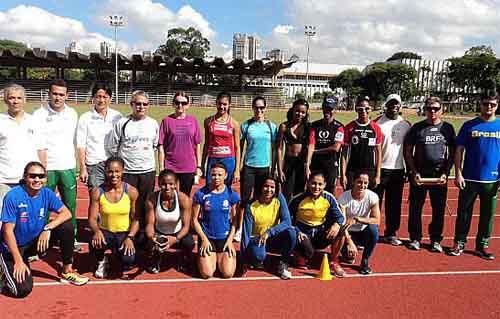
116	21
309	31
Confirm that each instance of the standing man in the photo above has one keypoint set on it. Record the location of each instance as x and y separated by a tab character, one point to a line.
429	150
135	139
394	128
479	139
58	128
362	151
93	133
326	137
20	142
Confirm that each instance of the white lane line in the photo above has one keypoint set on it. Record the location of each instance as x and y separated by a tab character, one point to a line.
197	280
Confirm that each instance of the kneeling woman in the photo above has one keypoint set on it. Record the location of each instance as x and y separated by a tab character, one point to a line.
361	208
114	201
318	219
168	216
215	222
267	225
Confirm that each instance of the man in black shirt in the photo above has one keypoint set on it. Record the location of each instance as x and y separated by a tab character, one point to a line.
429	150
325	141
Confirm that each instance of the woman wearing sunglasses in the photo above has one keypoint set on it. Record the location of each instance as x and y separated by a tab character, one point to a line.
179	144
222	136
134	139
27	230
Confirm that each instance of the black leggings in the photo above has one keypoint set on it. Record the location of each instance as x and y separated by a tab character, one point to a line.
186	181
145	184
295	176
252	179
63	233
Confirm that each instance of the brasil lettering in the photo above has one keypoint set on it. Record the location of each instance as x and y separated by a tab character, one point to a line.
485	134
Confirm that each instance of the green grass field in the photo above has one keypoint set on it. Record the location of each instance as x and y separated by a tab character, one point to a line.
275	115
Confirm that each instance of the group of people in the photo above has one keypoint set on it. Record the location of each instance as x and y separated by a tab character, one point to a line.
287	174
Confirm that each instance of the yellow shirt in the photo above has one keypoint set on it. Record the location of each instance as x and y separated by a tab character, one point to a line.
265	216
314	212
115	217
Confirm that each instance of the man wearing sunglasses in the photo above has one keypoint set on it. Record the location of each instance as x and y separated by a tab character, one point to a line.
394	127
58	128
362	151
479	139
92	133
429	148
134	138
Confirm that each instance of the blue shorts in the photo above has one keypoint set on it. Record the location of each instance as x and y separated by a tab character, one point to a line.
229	162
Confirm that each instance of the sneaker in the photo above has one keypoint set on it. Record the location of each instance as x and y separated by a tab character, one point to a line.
337	270
78	247
392	240
33	258
414	245
457	249
300	262
484	253
436	247
283	271
74	278
102	268
237	236
365	269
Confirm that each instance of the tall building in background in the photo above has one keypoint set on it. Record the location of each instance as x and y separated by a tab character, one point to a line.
106	50
276	55
240	46
74	46
254	48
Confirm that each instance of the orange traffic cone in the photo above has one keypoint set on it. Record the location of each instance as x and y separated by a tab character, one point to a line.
324	270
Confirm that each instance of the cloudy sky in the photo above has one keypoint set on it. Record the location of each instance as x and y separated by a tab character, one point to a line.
348	32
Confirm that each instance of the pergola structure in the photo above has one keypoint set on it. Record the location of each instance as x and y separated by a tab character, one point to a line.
171	66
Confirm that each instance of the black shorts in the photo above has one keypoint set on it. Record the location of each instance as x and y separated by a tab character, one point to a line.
217	245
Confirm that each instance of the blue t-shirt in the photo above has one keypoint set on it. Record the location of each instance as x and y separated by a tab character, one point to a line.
481	140
259	141
215	215
29	214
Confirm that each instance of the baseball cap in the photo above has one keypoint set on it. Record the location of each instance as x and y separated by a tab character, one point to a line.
329	102
393	97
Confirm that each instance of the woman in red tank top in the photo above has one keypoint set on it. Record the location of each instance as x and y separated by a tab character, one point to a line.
222	140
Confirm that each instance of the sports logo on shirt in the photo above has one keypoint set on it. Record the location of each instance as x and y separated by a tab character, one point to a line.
41	214
324	134
207	205
22	205
355	140
225	204
23	217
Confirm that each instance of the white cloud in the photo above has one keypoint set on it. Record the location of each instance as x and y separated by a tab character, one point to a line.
364	31
283	29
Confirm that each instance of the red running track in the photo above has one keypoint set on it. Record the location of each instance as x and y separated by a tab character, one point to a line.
405	284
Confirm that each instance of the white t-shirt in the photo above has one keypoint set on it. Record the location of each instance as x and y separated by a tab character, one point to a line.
19	143
58	130
392	145
139	140
354	208
93	132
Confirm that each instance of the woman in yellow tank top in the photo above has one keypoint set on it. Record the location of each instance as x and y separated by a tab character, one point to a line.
114	201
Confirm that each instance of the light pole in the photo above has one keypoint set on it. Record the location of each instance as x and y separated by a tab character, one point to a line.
309	31
116	21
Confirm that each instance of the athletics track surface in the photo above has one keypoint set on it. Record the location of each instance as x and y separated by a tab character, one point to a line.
405	284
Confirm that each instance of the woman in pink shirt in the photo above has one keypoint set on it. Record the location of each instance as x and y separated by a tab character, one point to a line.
222	140
179	144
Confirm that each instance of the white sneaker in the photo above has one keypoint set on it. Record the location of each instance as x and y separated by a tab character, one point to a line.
283	271
414	245
102	268
237	236
436	247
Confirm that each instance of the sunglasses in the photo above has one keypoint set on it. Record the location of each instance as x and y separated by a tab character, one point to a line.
489	104
34	175
141	103
183	103
363	109
432	109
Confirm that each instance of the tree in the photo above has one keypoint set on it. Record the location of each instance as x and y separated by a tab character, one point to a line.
475	71
382	79
16	48
187	43
348	81
404	55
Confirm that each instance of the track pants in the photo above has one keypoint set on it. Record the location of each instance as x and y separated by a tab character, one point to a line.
65	182
391	184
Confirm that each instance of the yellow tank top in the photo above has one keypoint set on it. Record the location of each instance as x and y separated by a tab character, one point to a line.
115	217
265	216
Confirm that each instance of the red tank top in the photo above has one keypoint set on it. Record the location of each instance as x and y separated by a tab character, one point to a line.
221	140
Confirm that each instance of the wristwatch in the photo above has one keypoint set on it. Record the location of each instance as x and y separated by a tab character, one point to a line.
47	228
130	237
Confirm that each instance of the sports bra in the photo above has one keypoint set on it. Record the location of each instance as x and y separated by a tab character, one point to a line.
168	221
